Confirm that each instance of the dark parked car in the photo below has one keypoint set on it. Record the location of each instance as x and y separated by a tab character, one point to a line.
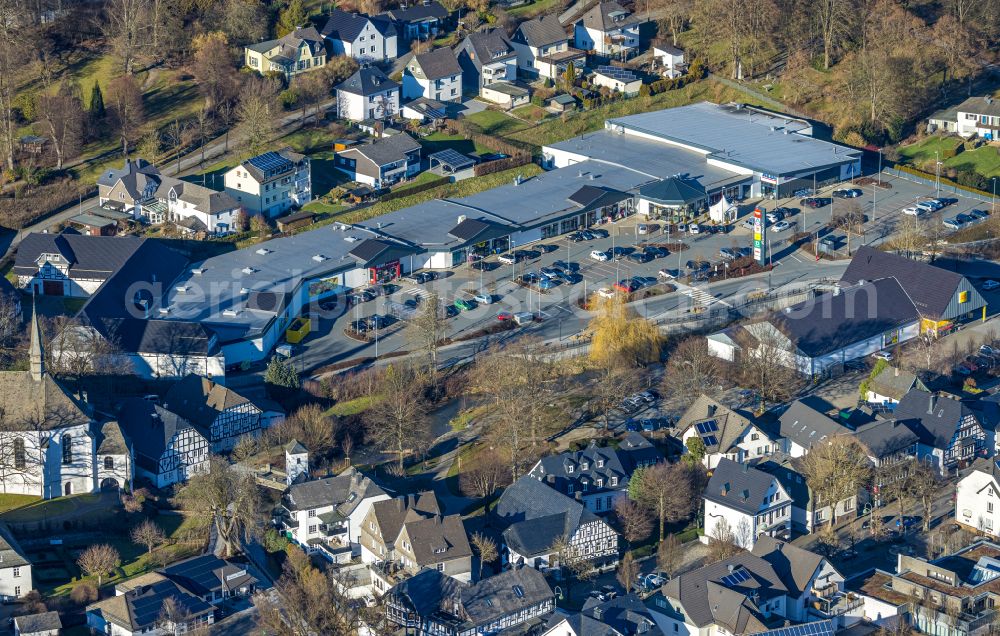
657	252
640	257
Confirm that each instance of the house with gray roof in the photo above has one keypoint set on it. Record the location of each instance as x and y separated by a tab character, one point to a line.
167	448
887	442
366	39
368	95
44	624
128	187
609	29
621	616
432	603
435	75
950	432
537	518
271	183
809	514
977	116
725	433
600	474
325	515
15	568
543	48
943	299
71	264
221	414
805	425
486	57
382	162
742	503
889	386
419	21
298	52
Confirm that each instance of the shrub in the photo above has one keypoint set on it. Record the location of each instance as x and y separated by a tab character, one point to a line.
289	98
83	593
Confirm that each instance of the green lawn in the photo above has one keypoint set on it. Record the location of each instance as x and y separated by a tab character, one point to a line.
79	505
9	502
494	122
536	8
530	112
441	141
985	160
351	407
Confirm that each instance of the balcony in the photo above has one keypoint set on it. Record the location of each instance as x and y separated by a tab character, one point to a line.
835	605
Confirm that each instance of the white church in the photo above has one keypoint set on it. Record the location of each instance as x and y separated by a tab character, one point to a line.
50	445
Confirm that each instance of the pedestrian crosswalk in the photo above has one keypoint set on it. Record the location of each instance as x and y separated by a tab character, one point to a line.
699	296
419	292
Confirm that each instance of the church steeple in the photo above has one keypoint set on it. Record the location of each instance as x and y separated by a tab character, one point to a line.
37	359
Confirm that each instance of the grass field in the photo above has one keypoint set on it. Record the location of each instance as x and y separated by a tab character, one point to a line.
351	407
10	502
536	8
441	141
985	160
494	122
93	505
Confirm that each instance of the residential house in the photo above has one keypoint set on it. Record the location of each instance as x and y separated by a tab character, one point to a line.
815	587
15	568
977	500
620	616
747	502
195	586
327	514
424	110
543	48
805	425
44	624
383	162
435	75
367	95
298	52
608	29
943	299
974	117
272	183
366	39
954	594
69	263
537	518
752	592
432	604
168	449
405	535
950	432
725	433
140	191
820	335
809	513
486	57
423	21
600	474
887	442
128	188
221	414
617	80
889	386
670	59
505	94
193	208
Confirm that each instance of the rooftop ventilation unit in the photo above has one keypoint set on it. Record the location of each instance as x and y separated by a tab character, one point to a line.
350	239
232	313
164	310
181	288
244	290
263	251
319	258
198	271
249	270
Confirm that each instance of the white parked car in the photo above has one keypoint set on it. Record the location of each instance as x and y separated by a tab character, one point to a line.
598	255
747	223
642	228
780	226
665	274
694	229
606	292
990	285
928	206
483	299
882	355
912	211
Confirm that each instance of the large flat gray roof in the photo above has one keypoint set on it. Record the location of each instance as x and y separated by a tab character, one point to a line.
740	136
652	157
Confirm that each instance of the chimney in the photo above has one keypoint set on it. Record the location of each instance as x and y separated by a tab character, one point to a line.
579	496
732	568
550	478
711	410
931	400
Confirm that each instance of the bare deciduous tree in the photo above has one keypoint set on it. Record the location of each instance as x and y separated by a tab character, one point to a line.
256	112
62	115
723	542
835	470
670	491
125	105
669	555
98	560
313	427
126	26
691	370
485	476
227	497
627	572
428	328
486	548
633	519
397	421
149	534
764	368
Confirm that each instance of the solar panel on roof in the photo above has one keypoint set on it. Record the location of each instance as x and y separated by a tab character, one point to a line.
452	158
616	72
736	577
270	163
817	628
710	440
709	426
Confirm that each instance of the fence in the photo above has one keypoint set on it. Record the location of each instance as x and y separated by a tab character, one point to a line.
946	185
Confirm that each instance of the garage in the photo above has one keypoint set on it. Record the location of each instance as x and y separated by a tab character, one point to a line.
52	287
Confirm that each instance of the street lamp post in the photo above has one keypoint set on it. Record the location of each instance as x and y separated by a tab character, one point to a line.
993	202
937	173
